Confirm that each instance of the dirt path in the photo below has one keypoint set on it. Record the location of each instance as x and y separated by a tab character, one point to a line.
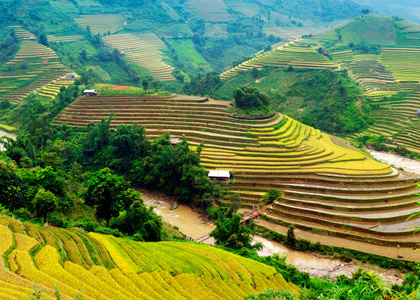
409	165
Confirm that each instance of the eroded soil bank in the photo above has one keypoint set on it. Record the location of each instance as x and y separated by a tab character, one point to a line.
193	225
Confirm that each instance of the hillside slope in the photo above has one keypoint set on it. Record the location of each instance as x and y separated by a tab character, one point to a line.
327	185
106	267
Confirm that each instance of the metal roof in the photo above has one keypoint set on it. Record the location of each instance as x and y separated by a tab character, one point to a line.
175	140
90	91
219	174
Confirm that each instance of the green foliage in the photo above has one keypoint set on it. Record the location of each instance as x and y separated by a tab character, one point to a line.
271	196
175	171
230	232
202	85
270	294
109	194
141	222
291	238
43	39
249	97
12	190
333	101
145	84
44	203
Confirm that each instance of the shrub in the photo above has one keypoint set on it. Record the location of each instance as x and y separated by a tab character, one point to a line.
271	196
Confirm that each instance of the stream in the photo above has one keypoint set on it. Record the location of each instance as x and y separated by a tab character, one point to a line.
193	225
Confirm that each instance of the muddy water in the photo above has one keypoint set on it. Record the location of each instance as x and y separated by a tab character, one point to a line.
397	161
193	225
187	220
4	133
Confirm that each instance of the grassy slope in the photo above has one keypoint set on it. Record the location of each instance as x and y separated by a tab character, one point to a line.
369	30
303	95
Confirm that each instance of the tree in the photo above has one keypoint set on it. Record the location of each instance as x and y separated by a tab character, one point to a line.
254	72
83	54
291	238
365	11
155	85
108	194
12	190
249	97
51	159
174	171
43	39
232	233
44	203
145	84
140	221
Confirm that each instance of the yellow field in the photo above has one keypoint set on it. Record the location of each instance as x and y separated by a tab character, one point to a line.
142	270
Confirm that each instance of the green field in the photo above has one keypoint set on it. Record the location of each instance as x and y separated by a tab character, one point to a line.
145	51
194	61
214	11
101	23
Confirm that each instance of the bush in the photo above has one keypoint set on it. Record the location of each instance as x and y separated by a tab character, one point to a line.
271	196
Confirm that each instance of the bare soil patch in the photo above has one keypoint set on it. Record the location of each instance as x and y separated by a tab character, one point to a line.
120	87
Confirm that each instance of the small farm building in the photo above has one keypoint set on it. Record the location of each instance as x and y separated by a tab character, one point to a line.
32	38
418	113
222	176
90	93
175	141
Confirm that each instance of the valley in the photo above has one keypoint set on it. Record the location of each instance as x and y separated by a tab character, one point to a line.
307	112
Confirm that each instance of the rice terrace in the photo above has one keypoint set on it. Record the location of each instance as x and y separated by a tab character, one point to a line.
154	149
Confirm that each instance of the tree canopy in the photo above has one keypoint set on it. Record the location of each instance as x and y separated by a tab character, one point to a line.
109	194
249	97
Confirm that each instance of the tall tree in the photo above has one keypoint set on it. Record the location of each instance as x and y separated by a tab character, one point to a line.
109	194
145	84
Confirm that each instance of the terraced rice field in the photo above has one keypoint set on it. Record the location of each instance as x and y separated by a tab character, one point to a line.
288	55
327	185
393	118
368	70
398	119
145	51
101	23
213	11
34	66
105	267
64	38
404	63
51	90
